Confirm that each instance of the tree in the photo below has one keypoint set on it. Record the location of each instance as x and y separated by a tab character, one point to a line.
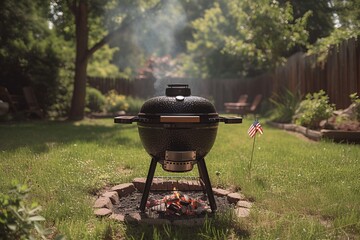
347	25
244	38
29	50
347	13
86	15
320	22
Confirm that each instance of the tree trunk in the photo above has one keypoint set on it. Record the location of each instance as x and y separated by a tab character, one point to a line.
81	61
80	10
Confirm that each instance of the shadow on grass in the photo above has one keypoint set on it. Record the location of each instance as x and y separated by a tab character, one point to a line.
223	226
40	137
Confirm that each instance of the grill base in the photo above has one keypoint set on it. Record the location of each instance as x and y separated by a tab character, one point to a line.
204	179
179	161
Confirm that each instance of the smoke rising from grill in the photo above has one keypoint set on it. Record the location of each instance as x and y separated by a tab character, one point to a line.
160	34
156	35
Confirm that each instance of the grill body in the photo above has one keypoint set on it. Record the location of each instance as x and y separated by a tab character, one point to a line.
177	130
159	138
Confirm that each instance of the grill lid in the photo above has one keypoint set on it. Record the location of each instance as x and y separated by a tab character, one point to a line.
178	106
178	100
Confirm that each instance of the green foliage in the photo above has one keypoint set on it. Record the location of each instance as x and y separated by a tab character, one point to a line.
285	106
347	23
95	100
313	109
134	104
348	13
240	38
17	219
99	64
323	45
30	54
355	99
115	102
320	23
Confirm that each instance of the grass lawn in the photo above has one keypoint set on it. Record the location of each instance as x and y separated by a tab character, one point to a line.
301	189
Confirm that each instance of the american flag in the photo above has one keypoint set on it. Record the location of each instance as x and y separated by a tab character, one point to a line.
254	128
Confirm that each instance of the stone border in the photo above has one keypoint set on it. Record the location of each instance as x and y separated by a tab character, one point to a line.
110	199
340	136
336	135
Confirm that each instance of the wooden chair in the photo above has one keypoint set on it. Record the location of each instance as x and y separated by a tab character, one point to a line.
31	100
12	100
235	107
254	105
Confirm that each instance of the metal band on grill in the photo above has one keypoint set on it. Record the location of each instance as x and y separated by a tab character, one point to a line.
180	119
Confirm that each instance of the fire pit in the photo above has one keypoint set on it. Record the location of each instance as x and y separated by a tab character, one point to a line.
120	202
177	130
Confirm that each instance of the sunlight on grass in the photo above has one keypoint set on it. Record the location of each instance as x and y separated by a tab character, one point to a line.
302	189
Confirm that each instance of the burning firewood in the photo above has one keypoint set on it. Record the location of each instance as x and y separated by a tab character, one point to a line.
178	204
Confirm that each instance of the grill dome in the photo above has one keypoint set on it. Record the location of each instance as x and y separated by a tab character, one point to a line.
177	105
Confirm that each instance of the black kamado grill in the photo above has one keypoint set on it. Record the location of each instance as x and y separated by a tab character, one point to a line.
178	130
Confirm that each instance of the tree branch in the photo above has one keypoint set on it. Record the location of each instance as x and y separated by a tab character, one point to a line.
127	21
124	25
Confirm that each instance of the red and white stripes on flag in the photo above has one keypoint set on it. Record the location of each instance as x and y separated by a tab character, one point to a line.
254	128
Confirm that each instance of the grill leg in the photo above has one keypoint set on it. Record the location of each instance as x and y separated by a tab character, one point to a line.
202	180
148	183
205	177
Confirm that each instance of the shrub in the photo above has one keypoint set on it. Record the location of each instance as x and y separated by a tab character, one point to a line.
17	220
95	100
285	106
134	104
313	109
356	101
115	103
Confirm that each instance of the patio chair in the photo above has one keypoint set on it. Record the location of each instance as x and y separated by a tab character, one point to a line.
254	105
31	100
12	100
236	107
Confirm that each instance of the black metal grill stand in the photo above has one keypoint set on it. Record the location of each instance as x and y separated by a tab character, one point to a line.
203	174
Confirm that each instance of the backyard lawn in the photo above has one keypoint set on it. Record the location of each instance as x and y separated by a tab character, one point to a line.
300	189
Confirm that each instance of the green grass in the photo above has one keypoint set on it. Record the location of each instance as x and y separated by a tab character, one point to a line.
301	189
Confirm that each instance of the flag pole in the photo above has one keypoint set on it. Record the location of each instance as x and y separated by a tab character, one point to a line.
252	155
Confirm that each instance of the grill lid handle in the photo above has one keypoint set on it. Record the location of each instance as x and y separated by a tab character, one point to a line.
126	119
174	90
230	120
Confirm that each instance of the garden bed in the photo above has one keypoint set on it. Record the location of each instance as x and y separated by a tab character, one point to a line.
336	135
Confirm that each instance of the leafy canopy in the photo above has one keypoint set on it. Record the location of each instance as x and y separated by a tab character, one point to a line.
245	37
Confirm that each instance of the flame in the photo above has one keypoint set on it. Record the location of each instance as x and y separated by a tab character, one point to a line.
178	203
176	193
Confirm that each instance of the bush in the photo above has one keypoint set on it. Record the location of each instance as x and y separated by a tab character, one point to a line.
95	100
356	101
17	220
134	104
313	109
285	106
115	103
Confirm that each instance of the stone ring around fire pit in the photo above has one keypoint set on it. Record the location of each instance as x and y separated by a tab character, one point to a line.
172	207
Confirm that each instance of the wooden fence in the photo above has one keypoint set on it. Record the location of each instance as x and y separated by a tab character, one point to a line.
338	76
216	90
